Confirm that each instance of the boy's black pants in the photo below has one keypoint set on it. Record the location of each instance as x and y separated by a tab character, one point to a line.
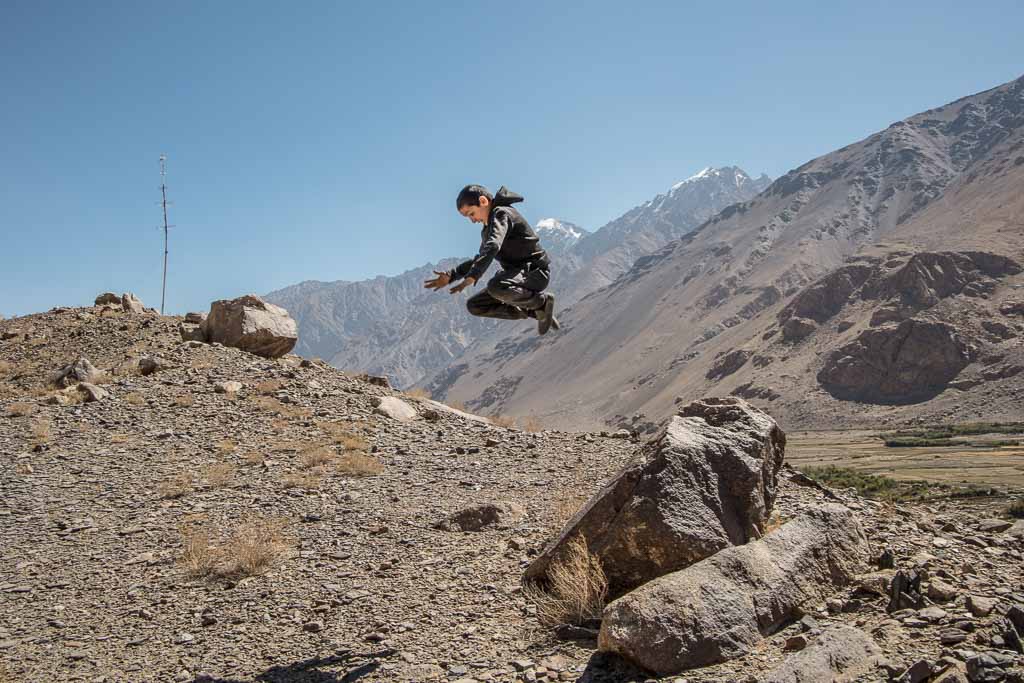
512	294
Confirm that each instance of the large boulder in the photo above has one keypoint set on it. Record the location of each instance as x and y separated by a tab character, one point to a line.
107	298
396	409
251	324
719	608
707	482
896	364
73	373
131	303
840	654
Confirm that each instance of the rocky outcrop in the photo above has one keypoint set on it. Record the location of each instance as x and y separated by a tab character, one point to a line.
107	298
250	324
795	329
720	608
79	371
840	654
706	483
928	277
821	300
131	303
729	363
896	364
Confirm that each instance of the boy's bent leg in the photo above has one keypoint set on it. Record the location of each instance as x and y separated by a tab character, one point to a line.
483	305
519	288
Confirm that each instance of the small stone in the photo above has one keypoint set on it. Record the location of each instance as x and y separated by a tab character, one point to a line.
952	636
980	606
313	626
795	643
183	638
230	387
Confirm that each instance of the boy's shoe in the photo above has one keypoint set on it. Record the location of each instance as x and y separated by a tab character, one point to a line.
546	314
554	323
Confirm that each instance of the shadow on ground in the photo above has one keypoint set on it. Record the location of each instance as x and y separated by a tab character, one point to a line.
608	668
342	667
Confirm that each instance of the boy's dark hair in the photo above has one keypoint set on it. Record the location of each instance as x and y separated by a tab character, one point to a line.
471	194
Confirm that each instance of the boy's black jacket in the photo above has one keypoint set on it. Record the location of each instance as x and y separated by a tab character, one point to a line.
506	236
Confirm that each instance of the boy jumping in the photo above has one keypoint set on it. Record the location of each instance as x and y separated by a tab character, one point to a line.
517	290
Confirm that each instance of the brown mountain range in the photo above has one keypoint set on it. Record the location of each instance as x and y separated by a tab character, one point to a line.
879	282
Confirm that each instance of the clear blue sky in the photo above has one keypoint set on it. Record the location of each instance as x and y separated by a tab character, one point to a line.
327	140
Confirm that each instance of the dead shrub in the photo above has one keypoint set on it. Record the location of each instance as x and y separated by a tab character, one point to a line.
567	506
198	557
253	458
307	481
270	386
135	399
226	446
272	405
315	456
120	438
344	434
417	392
503	421
255	546
458	405
358	464
6	368
40	432
184	401
20	409
175	486
219	474
577	588
532	424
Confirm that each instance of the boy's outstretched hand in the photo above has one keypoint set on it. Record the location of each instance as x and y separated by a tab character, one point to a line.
438	282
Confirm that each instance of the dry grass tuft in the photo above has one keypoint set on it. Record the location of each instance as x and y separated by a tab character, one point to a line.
358	464
569	503
184	401
577	588
272	405
316	456
418	392
308	481
135	399
40	432
6	367
345	434
175	486
532	424
219	474
503	421
253	458
120	438
226	446
270	386
20	409
255	546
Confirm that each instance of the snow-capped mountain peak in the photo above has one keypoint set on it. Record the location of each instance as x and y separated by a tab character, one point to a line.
553	225
737	175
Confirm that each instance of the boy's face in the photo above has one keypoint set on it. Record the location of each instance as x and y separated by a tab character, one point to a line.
478	213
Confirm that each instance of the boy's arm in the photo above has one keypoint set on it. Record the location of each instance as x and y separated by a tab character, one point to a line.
460	271
497	229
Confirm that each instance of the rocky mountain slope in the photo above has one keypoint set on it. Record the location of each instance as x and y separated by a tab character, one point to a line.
391	326
895	257
211	515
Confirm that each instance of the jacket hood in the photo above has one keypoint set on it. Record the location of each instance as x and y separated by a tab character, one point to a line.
505	197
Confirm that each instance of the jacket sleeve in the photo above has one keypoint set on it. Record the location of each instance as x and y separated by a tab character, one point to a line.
460	271
493	239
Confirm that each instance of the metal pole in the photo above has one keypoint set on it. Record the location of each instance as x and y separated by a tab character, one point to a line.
163	192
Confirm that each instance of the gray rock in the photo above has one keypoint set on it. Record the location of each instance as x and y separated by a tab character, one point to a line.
720	608
107	298
994	525
229	387
980	606
707	482
191	332
150	365
396	409
251	324
79	371
841	653
940	591
195	318
131	303
480	517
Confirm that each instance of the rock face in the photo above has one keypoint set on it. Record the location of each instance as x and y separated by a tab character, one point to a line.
251	324
719	608
904	363
840	654
729	363
707	483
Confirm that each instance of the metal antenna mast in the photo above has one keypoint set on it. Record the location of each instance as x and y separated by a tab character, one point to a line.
163	192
